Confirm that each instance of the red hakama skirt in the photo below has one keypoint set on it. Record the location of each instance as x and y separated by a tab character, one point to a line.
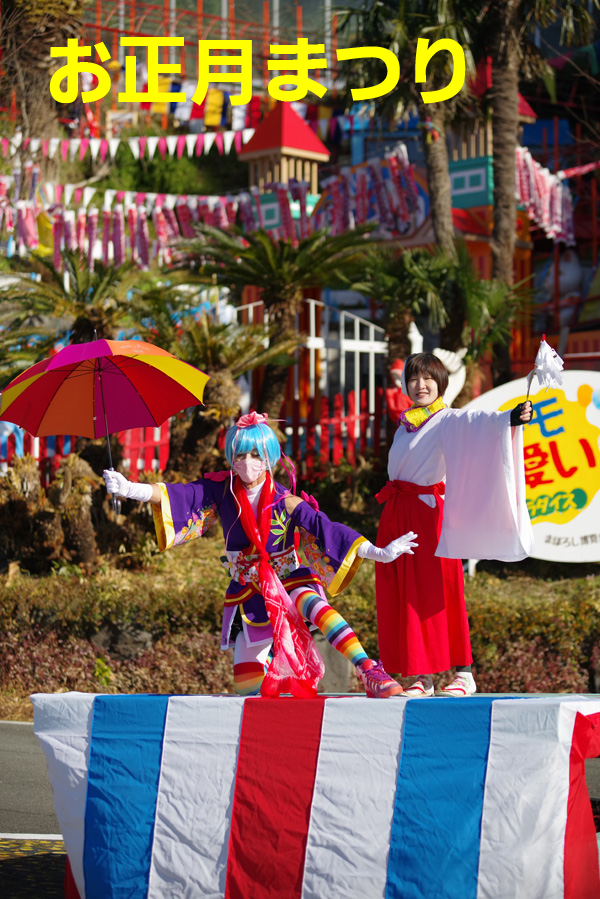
421	614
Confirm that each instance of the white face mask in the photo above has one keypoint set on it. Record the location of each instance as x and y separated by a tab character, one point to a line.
249	469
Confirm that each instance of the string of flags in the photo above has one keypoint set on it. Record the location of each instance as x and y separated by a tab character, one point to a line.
143	146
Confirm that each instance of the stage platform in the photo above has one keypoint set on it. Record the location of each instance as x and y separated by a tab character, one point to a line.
332	798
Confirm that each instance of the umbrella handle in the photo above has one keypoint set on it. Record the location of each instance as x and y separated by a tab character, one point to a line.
116	503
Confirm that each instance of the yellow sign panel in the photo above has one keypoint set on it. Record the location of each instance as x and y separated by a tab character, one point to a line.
562	462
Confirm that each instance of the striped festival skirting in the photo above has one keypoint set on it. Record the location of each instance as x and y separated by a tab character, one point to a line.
219	796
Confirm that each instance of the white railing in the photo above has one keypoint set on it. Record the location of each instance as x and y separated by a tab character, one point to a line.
338	353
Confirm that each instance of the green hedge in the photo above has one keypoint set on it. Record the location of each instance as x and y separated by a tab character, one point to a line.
61	632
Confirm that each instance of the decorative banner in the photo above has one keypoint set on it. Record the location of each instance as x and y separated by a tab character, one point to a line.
92	229
545	196
562	463
158	791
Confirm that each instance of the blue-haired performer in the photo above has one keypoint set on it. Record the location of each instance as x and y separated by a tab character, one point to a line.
272	594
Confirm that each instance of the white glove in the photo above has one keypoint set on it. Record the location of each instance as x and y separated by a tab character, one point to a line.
117	483
390	552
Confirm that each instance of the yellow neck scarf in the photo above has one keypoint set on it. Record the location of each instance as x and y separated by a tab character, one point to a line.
416	416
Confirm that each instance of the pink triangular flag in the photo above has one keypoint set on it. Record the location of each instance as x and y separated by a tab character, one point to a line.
58	192
64	149
4	146
237	140
103	149
78	195
162	147
219	142
142	145
26	142
140	198
45	147
160	199
200	145
85	142
120	196
180	145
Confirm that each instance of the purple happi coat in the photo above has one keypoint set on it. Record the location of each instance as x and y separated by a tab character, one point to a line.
187	511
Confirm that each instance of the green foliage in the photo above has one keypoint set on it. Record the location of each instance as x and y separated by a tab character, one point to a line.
446	292
211	174
529	634
103	672
279	269
398	27
36	314
162	315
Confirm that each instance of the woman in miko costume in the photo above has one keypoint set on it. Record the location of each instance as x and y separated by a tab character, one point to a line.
476	460
271	594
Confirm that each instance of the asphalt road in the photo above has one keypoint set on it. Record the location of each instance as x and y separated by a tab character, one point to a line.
26	805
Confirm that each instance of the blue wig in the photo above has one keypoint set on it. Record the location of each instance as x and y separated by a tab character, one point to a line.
260	437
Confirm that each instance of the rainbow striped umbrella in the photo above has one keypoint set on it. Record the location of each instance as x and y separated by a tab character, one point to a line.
98	388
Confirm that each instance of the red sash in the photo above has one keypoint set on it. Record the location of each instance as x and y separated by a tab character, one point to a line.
297	666
393	487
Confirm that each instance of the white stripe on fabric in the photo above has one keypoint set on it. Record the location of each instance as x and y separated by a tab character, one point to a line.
525	800
195	797
353	802
63	724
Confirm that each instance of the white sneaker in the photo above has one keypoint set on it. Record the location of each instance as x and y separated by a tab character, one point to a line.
462	685
420	688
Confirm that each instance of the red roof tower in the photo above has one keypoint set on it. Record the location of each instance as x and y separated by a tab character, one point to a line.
283	147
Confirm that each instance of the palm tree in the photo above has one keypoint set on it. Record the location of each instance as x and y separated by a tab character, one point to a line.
404	284
76	302
224	351
282	272
505	32
29	31
446	292
398	25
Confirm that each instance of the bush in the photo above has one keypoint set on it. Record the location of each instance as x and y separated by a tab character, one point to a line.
62	632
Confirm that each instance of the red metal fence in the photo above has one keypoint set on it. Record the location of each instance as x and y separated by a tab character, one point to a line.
330	434
143	449
325	433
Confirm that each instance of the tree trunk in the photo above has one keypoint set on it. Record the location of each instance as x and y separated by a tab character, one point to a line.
398	341
505	125
194	445
438	178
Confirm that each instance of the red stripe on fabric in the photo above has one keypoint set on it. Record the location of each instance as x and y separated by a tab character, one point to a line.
582	877
279	747
71	891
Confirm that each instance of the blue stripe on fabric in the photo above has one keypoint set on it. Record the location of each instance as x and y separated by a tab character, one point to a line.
436	825
124	767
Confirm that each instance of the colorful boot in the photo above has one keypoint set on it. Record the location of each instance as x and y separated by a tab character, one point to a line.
378	684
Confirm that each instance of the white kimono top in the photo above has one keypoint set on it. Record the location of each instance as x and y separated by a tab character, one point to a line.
480	457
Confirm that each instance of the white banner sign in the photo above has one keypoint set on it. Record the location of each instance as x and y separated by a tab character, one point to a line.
562	462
